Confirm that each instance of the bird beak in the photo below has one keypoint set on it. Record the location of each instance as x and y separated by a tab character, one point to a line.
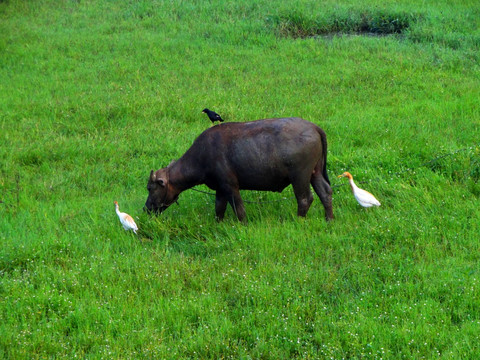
339	176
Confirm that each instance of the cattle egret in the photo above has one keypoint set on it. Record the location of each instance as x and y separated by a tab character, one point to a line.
126	220
212	115
363	197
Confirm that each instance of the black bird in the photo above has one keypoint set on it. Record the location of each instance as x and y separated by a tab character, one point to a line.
212	115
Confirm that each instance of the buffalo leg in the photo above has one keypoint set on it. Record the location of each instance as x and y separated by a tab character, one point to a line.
220	206
303	195
324	192
236	202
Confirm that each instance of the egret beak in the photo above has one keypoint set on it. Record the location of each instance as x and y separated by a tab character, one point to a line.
339	176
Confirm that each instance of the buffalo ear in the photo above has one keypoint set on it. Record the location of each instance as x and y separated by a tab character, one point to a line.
152	175
162	182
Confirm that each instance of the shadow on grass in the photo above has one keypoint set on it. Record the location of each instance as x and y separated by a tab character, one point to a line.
193	239
373	23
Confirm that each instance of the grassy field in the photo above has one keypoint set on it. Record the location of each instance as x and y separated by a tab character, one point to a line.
95	94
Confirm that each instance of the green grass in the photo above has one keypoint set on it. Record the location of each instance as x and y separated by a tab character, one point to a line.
96	94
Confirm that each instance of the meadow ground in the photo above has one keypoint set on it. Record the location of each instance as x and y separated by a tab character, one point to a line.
95	94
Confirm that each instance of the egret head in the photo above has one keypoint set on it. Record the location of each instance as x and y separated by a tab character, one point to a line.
346	174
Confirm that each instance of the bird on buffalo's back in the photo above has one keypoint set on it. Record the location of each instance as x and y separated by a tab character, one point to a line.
126	220
363	197
212	115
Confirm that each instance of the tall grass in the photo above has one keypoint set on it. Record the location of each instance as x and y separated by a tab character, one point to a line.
96	94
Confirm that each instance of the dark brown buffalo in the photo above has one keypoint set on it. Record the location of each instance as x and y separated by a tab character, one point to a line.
265	155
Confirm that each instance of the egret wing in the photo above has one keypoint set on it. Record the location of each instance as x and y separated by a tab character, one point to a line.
365	198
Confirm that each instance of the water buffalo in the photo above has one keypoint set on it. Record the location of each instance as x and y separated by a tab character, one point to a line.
265	155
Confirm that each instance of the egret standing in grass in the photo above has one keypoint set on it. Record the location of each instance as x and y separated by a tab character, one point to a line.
126	220
363	197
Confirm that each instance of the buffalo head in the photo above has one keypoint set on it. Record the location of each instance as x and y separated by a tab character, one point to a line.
160	194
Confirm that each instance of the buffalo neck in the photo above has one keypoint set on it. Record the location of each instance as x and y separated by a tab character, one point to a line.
185	173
